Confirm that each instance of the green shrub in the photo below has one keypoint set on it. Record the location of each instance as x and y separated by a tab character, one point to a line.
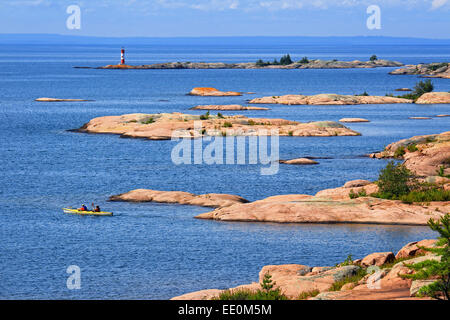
227	124
220	116
205	116
261	63
348	261
423	87
308	294
148	121
400	152
251	122
441	172
267	292
364	94
437	270
412	147
304	60
352	194
373	58
393	180
419	89
433	194
286	60
352	279
434	67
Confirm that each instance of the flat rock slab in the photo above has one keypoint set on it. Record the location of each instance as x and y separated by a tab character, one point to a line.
350	120
232	107
212	92
363	210
299	161
60	100
328	99
434	98
420	118
164	126
214	200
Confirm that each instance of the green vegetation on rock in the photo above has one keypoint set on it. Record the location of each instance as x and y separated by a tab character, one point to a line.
396	182
438	270
267	292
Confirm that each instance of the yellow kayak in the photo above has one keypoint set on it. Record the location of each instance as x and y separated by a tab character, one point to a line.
87	213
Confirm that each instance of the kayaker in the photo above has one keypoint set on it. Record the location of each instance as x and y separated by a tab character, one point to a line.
83	208
95	208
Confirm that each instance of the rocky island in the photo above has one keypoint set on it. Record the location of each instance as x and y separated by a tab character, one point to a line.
434	98
59	100
231	107
212	92
430	70
163	125
328	99
214	200
424	155
309	64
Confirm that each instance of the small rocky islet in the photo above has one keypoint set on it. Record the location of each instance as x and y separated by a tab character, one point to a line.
430	70
164	126
308	64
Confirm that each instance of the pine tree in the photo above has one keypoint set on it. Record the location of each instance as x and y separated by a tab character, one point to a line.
432	269
267	284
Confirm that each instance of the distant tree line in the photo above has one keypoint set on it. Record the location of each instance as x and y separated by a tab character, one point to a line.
284	61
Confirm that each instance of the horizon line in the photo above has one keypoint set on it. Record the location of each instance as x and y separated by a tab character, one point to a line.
222	36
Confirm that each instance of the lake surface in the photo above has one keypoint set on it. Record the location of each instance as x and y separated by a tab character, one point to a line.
157	251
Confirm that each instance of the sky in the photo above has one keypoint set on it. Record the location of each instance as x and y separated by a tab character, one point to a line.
183	18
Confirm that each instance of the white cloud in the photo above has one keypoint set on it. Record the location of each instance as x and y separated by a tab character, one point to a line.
437	4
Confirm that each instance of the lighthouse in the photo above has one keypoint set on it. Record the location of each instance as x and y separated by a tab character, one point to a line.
122	56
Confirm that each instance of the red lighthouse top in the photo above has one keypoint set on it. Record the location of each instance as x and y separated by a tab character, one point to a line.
122	56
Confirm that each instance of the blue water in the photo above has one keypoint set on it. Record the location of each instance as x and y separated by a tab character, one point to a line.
157	251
